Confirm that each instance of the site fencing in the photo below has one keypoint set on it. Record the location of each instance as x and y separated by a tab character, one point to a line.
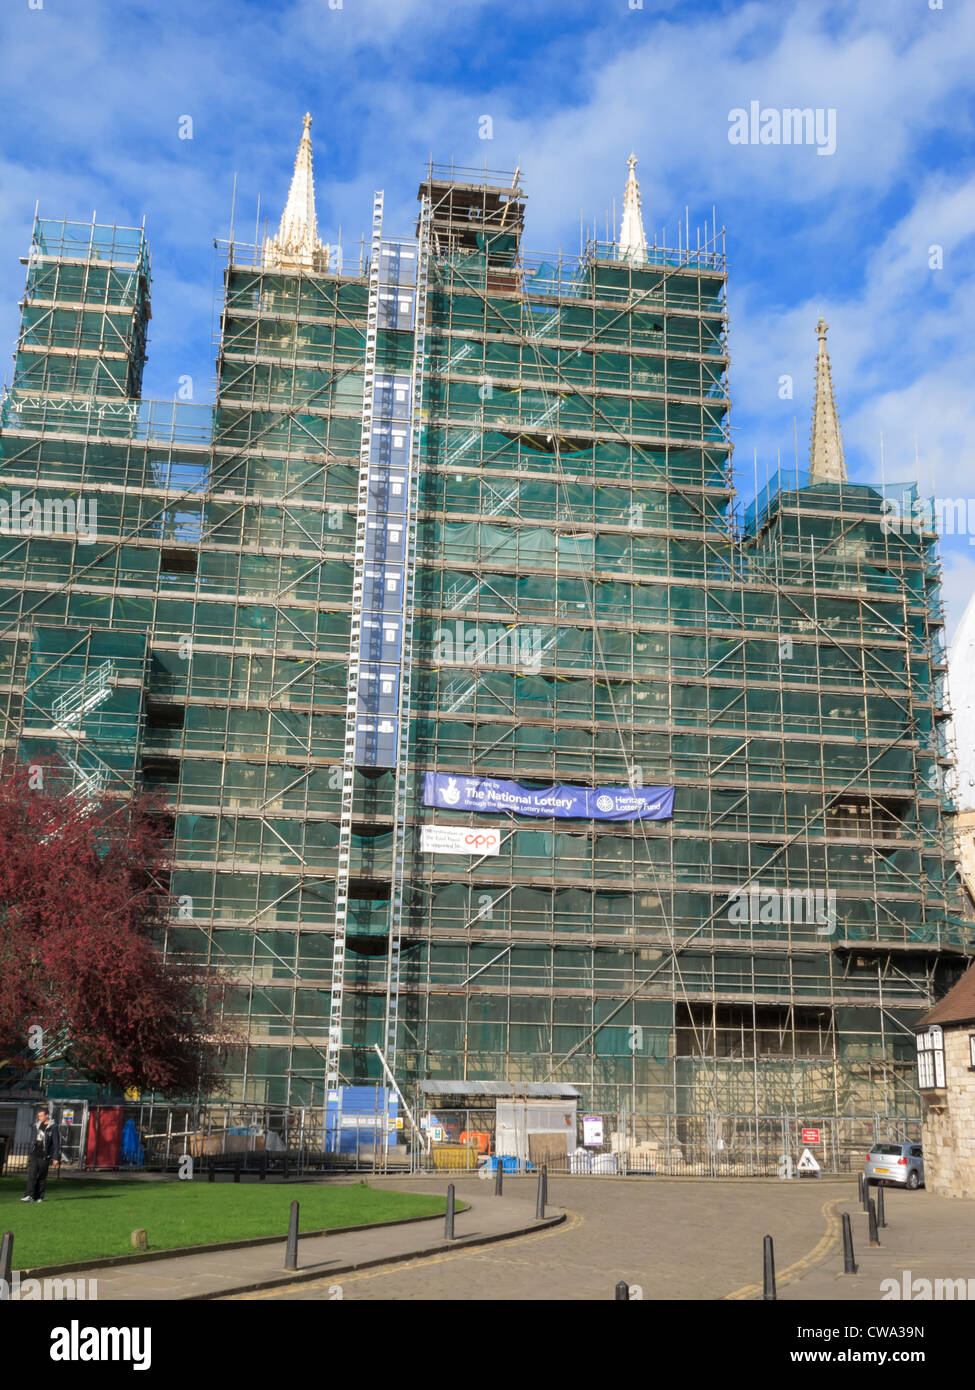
237	1138
302	1142
17	1120
709	1146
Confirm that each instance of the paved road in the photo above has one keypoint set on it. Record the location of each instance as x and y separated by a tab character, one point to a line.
673	1239
926	1238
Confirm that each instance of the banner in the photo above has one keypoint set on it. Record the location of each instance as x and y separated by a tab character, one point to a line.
581	803
459	839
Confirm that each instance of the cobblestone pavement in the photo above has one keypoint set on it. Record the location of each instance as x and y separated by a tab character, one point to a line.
671	1239
926	1238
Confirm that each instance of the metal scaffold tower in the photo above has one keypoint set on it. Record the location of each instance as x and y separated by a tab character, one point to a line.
390	1028
377	731
355	658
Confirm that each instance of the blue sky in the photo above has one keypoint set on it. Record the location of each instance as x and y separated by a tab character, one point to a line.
94	91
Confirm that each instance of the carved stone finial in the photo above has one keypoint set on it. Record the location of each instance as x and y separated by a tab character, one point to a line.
633	241
296	246
826	460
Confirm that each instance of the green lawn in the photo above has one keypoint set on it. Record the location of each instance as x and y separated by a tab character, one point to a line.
83	1219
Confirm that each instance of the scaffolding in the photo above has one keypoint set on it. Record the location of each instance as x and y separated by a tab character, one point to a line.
582	603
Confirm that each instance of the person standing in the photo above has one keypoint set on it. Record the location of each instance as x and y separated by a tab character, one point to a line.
44	1150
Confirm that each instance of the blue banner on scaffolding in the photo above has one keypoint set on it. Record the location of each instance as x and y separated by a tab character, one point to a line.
580	803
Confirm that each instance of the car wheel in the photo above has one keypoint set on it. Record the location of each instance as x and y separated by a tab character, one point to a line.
913	1181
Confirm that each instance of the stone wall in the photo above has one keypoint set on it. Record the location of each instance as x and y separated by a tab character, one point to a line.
949	1121
965	844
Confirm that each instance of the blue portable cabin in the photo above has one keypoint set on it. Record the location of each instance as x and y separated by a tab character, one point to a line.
355	1118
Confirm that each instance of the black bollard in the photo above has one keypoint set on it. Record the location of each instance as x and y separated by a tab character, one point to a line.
622	1292
262	1173
849	1263
866	1194
237	1168
860	1188
540	1198
874	1237
291	1257
6	1263
499	1177
211	1172
768	1271
449	1223
881	1217
544	1184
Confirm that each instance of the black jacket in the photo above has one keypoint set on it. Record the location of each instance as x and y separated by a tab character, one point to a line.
52	1142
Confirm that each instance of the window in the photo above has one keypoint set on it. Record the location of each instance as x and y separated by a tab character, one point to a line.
931	1059
916	1153
172	561
971	1046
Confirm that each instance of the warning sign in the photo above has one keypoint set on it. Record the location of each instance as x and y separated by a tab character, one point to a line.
807	1164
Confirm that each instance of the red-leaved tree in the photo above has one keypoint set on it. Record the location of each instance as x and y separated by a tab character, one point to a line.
82	907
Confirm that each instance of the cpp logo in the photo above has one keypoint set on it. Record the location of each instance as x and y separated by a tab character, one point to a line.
481	841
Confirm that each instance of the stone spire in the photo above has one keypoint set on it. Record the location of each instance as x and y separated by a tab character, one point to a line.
633	242
296	246
826	462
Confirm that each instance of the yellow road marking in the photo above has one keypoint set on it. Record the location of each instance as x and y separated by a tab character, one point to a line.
815	1256
572	1222
824	1246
